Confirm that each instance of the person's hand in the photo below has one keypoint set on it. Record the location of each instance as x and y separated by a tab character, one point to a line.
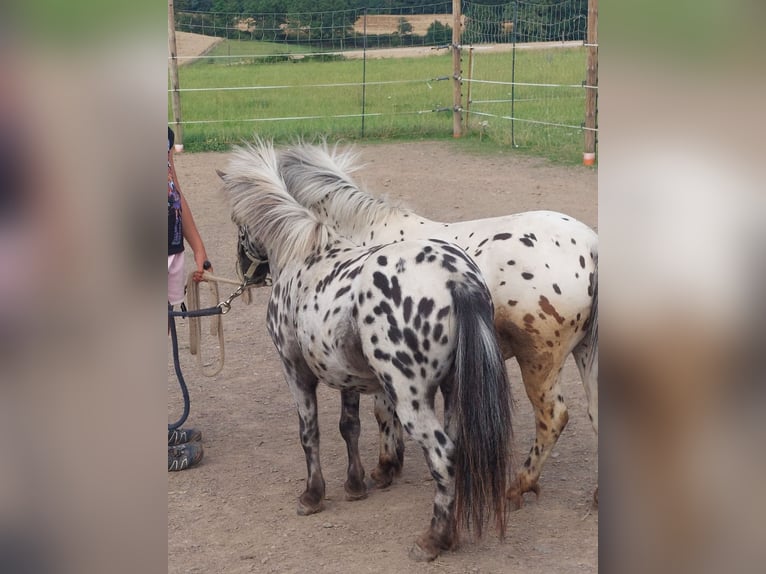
205	266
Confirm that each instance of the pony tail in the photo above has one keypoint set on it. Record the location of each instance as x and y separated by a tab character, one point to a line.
480	416
592	333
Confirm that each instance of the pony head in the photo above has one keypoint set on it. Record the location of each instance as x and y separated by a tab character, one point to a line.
252	261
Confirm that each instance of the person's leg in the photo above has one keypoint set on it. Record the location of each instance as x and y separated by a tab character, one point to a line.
184	447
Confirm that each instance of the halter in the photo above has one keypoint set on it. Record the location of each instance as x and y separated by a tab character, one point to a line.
256	260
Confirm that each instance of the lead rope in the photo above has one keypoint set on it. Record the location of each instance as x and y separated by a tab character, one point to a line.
216	323
221	308
195	326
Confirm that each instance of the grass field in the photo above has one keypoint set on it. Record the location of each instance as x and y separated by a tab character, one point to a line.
281	92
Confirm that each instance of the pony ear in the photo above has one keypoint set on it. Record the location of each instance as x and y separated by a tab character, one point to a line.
221	174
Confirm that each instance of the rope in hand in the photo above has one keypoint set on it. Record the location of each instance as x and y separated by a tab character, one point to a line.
207	276
216	321
195	326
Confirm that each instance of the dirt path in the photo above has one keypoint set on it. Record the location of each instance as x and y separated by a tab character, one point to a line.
191	46
235	513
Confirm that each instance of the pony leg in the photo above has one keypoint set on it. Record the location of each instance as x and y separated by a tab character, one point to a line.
391	456
349	429
541	382
446	388
312	499
586	358
442	533
439	452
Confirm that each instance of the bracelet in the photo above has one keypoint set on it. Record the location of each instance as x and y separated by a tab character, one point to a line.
207	265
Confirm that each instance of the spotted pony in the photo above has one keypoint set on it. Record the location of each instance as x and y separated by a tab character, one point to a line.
541	268
397	320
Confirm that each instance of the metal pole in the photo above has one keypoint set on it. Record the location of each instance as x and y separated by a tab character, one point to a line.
513	75
457	96
468	96
175	84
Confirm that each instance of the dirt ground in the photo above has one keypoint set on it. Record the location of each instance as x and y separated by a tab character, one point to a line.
236	511
189	46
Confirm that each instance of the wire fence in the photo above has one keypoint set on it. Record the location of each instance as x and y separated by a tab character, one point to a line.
369	73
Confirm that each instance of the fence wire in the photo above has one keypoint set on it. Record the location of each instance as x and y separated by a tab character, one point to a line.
521	61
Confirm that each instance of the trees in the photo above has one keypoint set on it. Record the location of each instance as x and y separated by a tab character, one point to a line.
403	27
438	34
324	21
548	20
319	20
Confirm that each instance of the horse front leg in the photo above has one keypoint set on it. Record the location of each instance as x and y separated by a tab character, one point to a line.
349	429
391	455
312	499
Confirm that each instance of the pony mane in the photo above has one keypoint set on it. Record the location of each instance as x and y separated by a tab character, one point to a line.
319	178
259	200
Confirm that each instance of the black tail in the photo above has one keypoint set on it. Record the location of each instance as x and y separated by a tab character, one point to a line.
480	416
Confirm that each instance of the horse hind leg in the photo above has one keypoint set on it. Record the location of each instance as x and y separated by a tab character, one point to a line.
350	427
391	455
442	533
586	358
438	449
418	418
541	381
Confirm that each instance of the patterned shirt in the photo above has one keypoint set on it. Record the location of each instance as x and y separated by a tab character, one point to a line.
175	229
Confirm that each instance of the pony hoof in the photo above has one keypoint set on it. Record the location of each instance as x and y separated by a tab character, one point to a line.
352	495
355	488
516	495
517	500
418	554
380	481
304	510
373	485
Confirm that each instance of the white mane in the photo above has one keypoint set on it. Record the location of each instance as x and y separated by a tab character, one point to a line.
319	178
260	201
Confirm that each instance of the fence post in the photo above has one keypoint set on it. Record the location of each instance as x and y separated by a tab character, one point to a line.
457	96
175	85
591	85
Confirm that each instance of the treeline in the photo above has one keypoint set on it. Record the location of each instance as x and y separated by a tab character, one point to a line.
330	23
293	6
565	7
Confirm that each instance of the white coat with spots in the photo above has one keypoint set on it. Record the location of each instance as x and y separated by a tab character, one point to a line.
397	320
541	268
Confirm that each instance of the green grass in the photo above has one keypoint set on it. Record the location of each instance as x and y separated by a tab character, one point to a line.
554	105
221	53
310	97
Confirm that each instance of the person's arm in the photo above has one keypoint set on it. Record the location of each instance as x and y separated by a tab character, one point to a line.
193	238
191	233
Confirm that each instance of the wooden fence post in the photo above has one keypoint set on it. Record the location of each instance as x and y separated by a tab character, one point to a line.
173	68
591	85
